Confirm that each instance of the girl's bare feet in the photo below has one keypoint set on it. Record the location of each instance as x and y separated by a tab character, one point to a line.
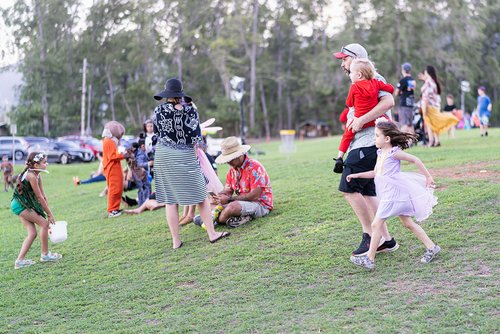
185	220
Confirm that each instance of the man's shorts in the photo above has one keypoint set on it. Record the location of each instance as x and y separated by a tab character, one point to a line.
358	161
16	207
485	120
253	209
406	116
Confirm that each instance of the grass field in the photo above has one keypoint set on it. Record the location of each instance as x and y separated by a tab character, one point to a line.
289	272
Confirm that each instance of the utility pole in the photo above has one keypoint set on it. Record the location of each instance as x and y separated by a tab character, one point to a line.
464	88
89	130
84	90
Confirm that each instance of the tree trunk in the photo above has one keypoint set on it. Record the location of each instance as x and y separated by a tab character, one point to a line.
264	111
129	110
138	111
107	69
280	78
43	56
289	93
397	41
179	53
253	59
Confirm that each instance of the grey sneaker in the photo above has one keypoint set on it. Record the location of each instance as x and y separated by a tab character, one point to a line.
238	221
50	257
430	254
363	261
23	263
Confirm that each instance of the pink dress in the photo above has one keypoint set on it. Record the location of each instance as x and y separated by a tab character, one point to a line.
401	193
213	182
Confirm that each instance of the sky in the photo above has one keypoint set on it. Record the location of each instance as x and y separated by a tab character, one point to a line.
7	55
334	16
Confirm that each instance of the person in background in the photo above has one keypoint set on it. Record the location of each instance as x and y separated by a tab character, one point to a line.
484	109
150	138
138	164
111	161
405	90
435	121
7	169
451	108
150	204
98	176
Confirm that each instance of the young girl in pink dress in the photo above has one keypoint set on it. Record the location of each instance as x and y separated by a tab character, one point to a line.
402	194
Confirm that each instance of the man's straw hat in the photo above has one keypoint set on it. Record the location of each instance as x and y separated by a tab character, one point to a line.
231	149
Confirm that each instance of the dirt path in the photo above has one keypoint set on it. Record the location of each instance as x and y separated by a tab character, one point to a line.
479	171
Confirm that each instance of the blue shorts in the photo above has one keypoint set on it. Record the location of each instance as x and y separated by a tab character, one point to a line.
16	207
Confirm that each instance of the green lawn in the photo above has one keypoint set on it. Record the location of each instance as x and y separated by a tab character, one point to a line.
289	272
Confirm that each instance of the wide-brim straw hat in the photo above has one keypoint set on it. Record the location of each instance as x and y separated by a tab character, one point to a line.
231	149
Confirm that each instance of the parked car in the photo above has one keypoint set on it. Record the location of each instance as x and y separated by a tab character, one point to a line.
91	143
37	143
20	146
65	152
37	140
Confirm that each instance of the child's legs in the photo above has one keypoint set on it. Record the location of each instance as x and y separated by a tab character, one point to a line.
417	230
30	227
172	215
115	190
97	178
6	180
31	217
377	229
372	204
191	210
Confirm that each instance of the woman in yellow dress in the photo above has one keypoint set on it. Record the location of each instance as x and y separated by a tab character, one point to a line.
435	121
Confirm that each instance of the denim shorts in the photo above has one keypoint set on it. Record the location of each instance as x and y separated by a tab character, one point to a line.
16	207
254	209
485	120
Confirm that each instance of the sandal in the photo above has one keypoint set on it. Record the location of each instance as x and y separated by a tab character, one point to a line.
222	236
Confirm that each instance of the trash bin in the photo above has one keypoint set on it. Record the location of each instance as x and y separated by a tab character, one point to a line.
287	141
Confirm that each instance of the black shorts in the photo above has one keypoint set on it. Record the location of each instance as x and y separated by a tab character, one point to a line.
359	160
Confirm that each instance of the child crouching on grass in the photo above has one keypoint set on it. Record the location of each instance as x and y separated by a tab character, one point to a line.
30	204
401	194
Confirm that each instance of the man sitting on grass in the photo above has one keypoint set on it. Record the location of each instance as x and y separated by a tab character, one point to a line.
247	193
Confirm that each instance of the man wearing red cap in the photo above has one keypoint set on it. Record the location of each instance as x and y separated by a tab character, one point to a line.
360	193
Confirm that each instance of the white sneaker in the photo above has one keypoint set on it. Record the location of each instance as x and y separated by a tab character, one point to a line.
50	257
23	263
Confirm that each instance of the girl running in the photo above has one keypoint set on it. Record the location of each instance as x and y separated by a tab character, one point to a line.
401	194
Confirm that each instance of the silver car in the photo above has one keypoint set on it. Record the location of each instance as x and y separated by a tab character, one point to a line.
14	144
